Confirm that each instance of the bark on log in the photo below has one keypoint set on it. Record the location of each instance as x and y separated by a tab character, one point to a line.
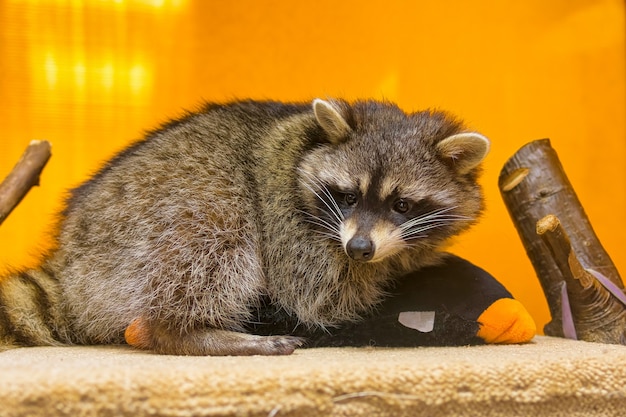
533	184
23	176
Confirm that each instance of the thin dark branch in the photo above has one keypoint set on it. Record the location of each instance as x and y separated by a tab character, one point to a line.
23	176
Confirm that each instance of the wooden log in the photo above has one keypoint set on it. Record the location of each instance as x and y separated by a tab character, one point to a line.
596	315
533	184
24	175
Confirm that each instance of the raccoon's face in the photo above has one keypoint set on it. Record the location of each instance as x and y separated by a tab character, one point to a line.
387	181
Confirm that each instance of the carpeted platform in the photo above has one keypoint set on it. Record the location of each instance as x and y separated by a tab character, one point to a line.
548	377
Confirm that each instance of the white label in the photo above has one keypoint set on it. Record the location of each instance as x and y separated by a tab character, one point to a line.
422	321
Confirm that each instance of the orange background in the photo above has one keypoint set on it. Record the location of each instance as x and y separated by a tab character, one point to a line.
91	76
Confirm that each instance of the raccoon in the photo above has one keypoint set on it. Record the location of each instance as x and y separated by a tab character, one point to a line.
315	207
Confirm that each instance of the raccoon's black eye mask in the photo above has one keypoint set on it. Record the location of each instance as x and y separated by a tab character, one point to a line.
418	208
403	210
402	206
345	198
400	211
408	208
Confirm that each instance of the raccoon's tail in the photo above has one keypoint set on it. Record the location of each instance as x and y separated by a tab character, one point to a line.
30	310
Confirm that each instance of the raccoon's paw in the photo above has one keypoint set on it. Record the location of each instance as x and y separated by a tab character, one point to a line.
226	343
247	344
144	335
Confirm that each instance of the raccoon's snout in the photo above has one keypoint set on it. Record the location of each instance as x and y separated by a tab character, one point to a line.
360	248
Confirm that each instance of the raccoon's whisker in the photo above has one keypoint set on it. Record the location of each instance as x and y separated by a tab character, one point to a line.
327	229
439	211
420	220
335	205
422	227
421	243
327	223
413	232
426	219
436	215
441	221
418	233
324	237
312	184
330	229
324	224
321	186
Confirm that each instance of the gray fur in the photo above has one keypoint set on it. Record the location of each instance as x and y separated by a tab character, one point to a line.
190	227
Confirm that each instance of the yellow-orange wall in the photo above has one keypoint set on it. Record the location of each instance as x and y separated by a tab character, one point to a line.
90	76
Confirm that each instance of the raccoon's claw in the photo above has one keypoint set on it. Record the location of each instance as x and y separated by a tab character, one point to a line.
284	345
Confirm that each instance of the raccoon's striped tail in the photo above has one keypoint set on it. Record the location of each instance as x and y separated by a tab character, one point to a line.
30	310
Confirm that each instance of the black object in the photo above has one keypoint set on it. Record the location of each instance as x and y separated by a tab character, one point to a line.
456	291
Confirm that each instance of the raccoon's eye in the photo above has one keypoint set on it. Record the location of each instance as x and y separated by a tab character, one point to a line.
401	206
350	199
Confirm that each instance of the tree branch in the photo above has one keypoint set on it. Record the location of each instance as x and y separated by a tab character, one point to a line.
533	184
23	176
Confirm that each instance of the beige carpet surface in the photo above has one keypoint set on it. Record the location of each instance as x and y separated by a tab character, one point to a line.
548	377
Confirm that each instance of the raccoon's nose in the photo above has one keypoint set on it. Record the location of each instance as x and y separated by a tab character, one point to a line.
360	248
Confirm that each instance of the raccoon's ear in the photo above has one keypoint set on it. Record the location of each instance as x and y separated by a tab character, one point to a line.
329	117
464	151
